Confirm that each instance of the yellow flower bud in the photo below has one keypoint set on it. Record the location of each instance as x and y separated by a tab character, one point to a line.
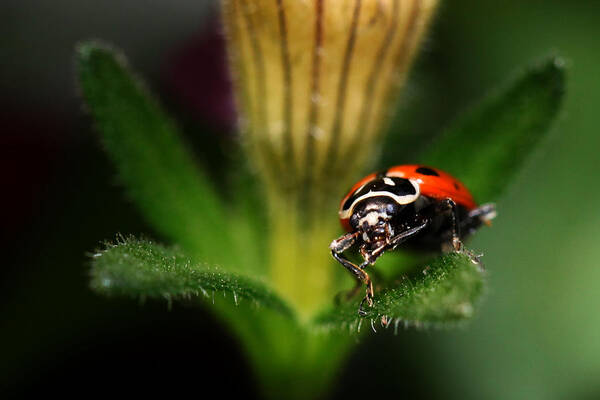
315	80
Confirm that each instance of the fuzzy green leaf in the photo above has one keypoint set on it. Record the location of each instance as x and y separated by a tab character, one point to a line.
141	268
152	161
445	292
488	146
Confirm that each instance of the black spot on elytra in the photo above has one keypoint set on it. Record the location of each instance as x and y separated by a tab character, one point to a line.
456	186
427	171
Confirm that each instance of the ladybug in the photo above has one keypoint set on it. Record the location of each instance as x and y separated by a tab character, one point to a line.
423	206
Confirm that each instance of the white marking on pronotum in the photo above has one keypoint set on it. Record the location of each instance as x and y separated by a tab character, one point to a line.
389	181
407	199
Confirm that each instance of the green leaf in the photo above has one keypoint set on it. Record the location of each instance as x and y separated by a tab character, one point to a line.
444	292
153	163
488	146
141	268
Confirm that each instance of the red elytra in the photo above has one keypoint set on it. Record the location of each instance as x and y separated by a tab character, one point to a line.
433	183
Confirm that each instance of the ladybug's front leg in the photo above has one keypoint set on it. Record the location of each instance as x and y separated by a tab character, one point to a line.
371	256
342	244
392	242
407	234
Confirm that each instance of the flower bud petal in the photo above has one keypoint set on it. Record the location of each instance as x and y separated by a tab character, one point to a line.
315	80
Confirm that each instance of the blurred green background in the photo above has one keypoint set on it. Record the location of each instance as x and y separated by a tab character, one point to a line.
536	335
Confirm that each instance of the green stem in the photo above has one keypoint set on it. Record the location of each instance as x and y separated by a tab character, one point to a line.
301	266
290	361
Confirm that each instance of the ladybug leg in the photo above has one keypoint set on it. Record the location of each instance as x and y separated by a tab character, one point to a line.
478	216
361	275
407	234
485	213
368	298
451	205
371	256
342	244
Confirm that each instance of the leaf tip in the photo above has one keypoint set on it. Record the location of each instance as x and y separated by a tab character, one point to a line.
88	49
551	71
91	54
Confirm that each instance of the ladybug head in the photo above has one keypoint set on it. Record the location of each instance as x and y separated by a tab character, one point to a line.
374	205
373	217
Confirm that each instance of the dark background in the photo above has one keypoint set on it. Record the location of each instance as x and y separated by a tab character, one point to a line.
536	335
